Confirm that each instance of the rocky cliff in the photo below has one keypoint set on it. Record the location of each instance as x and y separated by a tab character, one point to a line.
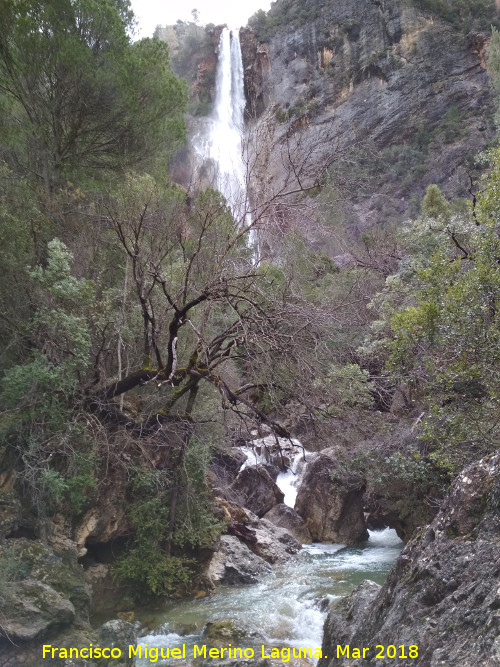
387	94
441	596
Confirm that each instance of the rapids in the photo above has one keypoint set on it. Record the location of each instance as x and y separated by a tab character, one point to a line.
285	608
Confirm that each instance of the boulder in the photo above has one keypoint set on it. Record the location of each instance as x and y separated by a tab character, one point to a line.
255	489
43	591
285	517
34	610
120	634
273	544
442	594
224	631
235	564
330	500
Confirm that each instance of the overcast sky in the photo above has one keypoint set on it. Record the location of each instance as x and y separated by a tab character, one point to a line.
235	13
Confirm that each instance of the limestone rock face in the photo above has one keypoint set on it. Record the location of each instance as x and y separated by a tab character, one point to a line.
331	504
285	517
235	564
10	513
442	594
255	489
375	73
101	524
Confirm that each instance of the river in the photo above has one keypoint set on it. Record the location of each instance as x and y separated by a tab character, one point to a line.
286	608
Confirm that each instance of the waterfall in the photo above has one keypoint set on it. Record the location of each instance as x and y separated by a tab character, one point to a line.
220	140
278	451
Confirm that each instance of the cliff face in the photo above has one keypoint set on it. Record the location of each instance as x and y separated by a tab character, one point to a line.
442	594
404	91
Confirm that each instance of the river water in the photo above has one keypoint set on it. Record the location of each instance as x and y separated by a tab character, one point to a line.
285	608
288	607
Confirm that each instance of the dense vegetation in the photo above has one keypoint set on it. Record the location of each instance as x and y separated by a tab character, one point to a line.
137	331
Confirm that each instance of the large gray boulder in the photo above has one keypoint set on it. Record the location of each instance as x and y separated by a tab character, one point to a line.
36	610
284	516
330	500
44	593
120	634
442	595
274	544
234	564
255	489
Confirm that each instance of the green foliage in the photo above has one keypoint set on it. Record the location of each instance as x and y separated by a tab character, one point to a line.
348	388
446	341
152	572
284	14
78	95
435	205
148	564
38	420
464	14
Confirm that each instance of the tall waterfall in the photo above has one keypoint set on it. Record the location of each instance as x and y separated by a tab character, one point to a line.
221	141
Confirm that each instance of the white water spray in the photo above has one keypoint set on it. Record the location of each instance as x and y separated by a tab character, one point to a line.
272	449
220	142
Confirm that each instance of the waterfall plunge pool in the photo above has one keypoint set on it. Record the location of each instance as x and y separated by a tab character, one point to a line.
287	608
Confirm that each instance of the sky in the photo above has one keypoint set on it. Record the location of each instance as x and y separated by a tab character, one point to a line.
150	13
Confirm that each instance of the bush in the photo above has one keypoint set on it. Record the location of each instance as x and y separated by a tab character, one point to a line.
148	564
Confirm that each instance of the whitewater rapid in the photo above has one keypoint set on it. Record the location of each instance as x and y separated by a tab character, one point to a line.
288	607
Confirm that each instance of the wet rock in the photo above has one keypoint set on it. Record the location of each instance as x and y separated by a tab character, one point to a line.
442	594
120	634
227	631
235	564
255	489
285	517
258	662
346	615
331	501
273	469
